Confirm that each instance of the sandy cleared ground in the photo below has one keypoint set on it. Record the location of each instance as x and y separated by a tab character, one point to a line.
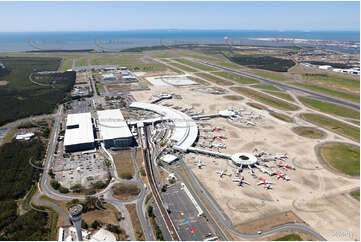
313	193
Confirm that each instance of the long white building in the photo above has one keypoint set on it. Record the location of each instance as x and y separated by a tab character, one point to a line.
79	134
114	131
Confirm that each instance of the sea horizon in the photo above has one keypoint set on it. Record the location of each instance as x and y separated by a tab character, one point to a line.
123	39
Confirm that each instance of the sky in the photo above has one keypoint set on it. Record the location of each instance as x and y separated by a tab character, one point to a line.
108	16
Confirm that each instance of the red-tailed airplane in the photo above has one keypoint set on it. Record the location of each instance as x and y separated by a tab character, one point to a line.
283	176
286	166
217	129
267	185
241	181
219	137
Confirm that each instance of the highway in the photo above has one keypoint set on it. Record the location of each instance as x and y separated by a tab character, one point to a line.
283	85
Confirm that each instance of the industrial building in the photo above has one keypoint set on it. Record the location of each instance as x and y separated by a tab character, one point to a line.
79	134
114	131
109	77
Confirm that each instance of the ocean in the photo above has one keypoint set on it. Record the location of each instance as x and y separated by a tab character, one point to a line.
118	40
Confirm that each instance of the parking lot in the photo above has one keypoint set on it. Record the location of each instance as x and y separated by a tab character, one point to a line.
184	215
79	106
79	168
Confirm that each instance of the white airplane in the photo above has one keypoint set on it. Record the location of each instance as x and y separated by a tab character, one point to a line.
219	146
223	173
281	156
267	185
286	166
200	164
250	123
264	170
240	181
283	176
259	154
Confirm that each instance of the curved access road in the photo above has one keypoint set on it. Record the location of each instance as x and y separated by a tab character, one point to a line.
283	85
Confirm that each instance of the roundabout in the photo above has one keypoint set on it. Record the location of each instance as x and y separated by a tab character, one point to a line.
244	159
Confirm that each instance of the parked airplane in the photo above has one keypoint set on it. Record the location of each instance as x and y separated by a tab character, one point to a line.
283	176
267	185
223	173
286	166
281	156
250	123
219	137
200	164
217	129
240	181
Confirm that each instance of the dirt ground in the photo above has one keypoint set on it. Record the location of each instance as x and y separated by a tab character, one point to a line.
314	194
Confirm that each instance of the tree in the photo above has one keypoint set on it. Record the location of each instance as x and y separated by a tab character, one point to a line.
150	211
84	225
76	188
55	184
95	224
51	173
63	189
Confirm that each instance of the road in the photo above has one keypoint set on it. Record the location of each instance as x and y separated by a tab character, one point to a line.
284	86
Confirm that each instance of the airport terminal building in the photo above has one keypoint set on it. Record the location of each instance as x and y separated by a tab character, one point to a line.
79	134
114	130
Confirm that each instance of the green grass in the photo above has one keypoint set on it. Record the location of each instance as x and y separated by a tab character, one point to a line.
333	80
237	78
333	125
269	75
267	87
229	65
308	132
196	65
334	93
265	99
183	67
330	108
258	106
282	95
67	64
282	117
290	237
214	79
343	157
356	194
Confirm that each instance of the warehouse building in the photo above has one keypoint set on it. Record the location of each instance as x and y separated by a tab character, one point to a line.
114	131
79	134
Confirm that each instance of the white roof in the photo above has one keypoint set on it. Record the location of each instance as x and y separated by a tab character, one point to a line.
168	158
103	235
185	130
112	124
24	136
81	134
108	76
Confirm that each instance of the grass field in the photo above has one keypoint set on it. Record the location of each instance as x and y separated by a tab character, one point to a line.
356	194
330	108
333	81
282	117
343	157
282	95
290	237
124	164
67	64
237	78
333	125
214	79
233	97
308	132
21	98
106	216
125	191
195	65
139	235
265	99
183	67
269	75
334	93
267	87
258	106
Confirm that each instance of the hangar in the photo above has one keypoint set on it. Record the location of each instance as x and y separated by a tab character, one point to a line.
114	131
79	133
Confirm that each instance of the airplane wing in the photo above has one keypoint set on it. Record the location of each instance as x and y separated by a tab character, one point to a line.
259	183
245	182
